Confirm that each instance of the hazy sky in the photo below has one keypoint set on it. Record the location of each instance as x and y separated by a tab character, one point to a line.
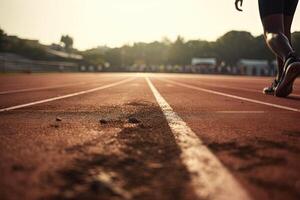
117	22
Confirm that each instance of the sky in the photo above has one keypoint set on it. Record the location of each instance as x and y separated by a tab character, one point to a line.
114	23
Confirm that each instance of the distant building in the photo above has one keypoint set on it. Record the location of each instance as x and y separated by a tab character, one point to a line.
253	67
10	62
64	55
204	65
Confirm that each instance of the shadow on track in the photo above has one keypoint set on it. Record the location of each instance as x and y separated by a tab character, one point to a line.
144	161
295	98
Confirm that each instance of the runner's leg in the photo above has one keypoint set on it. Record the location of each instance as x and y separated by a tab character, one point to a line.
292	66
275	36
287	20
273	30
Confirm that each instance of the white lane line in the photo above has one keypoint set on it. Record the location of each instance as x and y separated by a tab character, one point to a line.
209	178
41	88
66	96
233	96
230	87
237	88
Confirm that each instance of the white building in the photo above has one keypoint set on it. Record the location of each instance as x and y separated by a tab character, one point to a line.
204	65
253	67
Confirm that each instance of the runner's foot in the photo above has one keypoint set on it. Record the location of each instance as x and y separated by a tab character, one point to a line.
285	86
271	89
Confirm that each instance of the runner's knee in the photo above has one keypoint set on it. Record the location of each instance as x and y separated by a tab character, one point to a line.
274	36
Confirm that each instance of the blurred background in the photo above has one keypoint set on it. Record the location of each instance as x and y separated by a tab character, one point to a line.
191	36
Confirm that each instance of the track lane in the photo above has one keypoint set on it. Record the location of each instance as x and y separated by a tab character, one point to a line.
292	102
15	99
234	87
256	147
82	92
26	81
41	88
209	178
81	151
243	82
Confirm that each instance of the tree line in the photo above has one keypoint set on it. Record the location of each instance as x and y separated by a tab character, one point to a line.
229	48
32	48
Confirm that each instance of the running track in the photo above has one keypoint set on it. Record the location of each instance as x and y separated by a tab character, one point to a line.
147	136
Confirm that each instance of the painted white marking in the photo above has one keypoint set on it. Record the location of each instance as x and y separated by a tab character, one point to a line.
209	178
135	84
230	87
41	88
169	85
66	96
233	96
241	112
238	88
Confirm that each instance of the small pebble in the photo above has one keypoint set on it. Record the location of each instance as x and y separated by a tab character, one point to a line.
155	165
58	119
133	120
95	186
54	125
103	121
18	167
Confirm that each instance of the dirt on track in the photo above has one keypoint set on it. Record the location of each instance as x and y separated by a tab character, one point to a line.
103	146
260	146
116	144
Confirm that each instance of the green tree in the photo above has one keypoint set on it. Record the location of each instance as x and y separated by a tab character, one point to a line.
67	42
235	45
1	33
200	48
113	56
2	39
296	41
156	53
177	52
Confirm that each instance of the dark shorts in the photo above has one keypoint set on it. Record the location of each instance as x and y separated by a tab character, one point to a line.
270	7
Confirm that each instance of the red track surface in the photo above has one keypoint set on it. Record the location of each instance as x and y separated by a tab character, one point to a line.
41	157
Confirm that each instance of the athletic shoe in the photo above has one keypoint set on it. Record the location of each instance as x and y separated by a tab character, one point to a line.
271	89
291	72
